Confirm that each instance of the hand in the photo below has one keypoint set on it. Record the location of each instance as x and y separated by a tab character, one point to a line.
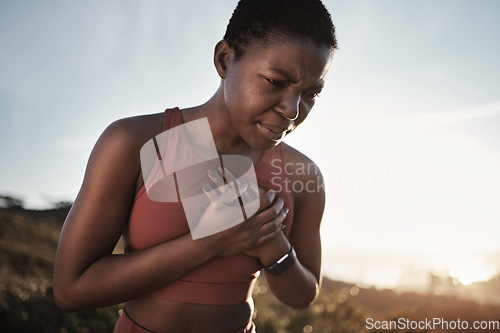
269	252
222	212
259	229
272	249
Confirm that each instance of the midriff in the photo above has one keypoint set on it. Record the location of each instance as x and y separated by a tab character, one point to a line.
164	316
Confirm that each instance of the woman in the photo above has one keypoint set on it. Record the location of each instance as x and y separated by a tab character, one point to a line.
272	63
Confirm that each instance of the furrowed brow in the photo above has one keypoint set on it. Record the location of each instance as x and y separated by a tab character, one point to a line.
318	85
286	74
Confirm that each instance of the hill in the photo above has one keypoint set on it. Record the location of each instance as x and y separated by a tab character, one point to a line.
28	241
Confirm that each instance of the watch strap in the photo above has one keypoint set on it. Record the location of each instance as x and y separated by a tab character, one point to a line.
283	264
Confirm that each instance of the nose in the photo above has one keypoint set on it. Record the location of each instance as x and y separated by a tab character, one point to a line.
289	107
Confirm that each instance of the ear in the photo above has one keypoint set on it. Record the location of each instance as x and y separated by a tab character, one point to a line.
222	55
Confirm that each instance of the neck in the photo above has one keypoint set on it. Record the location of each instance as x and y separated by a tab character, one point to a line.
227	140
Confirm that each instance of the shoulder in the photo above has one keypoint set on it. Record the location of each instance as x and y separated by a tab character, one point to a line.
298	166
120	144
306	179
309	204
133	131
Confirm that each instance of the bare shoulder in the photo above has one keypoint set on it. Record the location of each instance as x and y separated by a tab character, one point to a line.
292	155
309	204
301	168
134	130
306	182
101	209
119	145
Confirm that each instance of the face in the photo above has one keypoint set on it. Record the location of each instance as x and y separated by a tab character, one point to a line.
272	88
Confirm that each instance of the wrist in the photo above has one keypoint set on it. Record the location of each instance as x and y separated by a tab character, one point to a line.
207	247
278	250
283	264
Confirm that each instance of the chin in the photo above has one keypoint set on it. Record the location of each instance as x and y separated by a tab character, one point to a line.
267	145
262	143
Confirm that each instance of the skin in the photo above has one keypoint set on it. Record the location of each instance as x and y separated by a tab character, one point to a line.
269	89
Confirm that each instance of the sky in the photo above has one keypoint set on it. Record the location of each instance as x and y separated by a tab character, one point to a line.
405	131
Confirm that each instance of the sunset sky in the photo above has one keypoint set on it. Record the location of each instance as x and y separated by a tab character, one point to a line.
405	131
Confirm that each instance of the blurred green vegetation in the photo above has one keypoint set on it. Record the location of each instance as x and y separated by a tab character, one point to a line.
335	310
28	241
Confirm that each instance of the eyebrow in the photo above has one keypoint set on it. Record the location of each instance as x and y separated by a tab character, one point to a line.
289	76
318	85
286	74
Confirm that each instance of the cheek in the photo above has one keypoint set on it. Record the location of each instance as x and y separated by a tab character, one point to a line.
244	97
305	109
235	88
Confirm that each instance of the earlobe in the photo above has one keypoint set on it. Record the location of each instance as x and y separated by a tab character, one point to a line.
222	55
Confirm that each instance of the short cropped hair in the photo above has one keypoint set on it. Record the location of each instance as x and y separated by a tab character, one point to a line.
256	20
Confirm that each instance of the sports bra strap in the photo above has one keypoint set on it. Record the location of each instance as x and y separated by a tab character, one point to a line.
171	118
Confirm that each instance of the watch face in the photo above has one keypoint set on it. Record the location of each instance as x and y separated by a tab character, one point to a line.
283	264
282	258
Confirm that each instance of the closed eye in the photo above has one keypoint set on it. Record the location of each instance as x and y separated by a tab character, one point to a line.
311	94
275	83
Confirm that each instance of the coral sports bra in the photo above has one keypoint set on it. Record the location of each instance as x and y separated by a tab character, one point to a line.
220	281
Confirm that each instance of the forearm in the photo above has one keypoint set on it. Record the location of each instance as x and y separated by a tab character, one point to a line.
297	287
114	279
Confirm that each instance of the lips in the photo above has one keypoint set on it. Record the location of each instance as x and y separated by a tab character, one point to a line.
272	131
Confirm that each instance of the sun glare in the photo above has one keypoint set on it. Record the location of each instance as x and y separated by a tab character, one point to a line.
467	268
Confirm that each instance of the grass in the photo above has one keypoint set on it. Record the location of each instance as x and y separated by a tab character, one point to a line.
28	241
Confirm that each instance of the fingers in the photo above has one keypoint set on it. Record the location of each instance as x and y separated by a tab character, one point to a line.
278	206
220	177
267	238
226	174
276	224
229	196
260	191
223	184
216	178
209	192
272	229
266	200
223	196
256	190
249	194
270	220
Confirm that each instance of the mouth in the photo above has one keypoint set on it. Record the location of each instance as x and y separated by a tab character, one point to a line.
272	132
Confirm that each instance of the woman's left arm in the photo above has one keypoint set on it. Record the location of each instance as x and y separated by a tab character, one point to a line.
299	286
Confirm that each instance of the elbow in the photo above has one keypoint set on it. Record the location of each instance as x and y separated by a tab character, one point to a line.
303	303
64	298
304	300
66	292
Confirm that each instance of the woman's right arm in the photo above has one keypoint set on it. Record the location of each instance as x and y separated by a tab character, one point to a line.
88	275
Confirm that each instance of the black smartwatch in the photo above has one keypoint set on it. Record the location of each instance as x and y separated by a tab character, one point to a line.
282	264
